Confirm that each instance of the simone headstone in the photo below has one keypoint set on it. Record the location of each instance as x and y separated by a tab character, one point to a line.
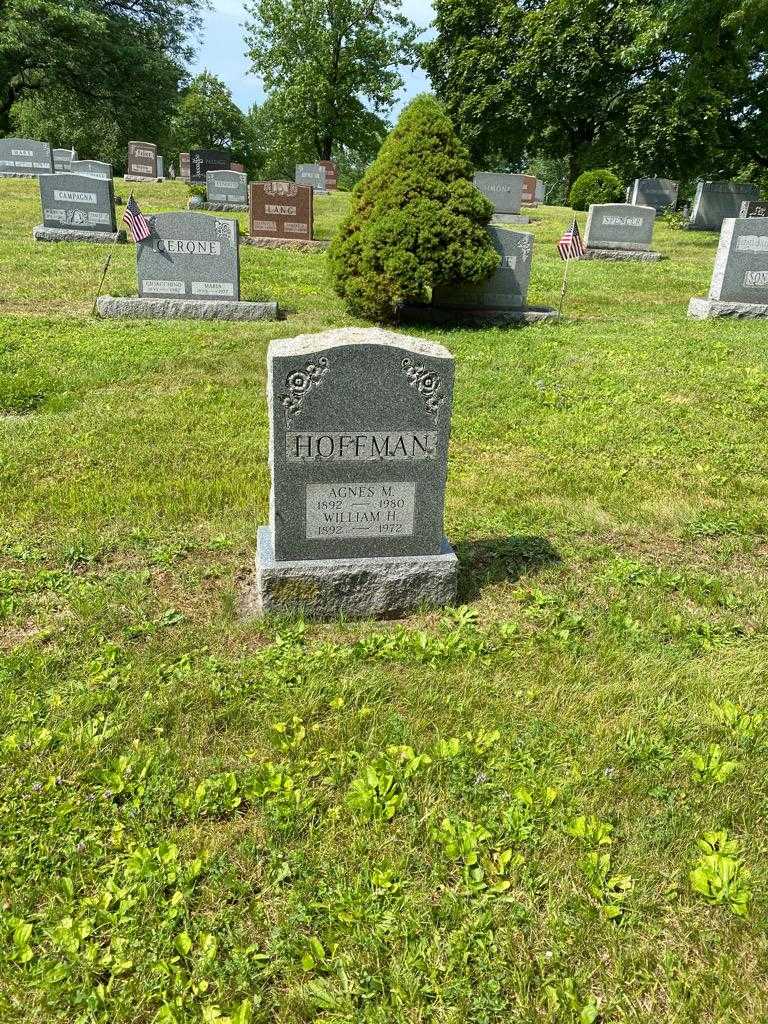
359	428
505	192
620	231
331	174
660	193
739	285
227	190
201	161
62	159
25	158
312	175
282	211
142	161
754	208
716	200
77	208
188	267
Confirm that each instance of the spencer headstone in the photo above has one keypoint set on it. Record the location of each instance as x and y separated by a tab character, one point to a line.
281	209
740	279
312	175
25	158
716	200
142	160
359	429
191	256
63	158
77	207
228	187
201	161
660	193
619	226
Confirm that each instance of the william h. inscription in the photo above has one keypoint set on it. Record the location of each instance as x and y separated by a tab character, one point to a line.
360	509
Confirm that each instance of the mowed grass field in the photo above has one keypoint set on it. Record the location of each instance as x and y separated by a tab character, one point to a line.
546	805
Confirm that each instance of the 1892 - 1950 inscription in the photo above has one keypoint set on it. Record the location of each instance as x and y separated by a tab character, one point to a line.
360	509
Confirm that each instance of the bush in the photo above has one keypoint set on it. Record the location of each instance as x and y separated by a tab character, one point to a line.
415	221
595	187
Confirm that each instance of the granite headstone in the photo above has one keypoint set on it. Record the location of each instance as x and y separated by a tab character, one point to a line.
142	160
63	158
230	187
619	226
93	168
359	430
203	160
507	288
740	278
331	174
312	175
184	168
234	166
160	167
505	191
540	191
754	208
716	200
25	158
528	190
77	207
660	193
281	209
189	256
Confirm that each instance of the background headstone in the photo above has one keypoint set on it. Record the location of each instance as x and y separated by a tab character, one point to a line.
528	189
93	168
507	288
227	187
331	174
189	255
312	175
62	159
741	263
660	193
142	160
234	166
25	157
160	167
716	200
77	202
754	208
540	191
184	168
203	160
619	226
505	191
281	209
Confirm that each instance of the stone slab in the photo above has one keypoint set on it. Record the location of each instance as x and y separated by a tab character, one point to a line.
754	208
189	256
227	186
312	175
324	589
92	168
507	288
453	316
638	255
44	234
510	218
196	204
716	200
142	162
660	193
201	161
78	202
619	226
62	159
704	309
281	209
741	264
297	245
504	191
134	308
25	158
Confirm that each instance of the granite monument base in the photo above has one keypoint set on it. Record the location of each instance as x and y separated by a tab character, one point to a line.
19	174
454	316
704	309
135	308
636	255
360	588
297	244
510	218
43	234
139	177
218	207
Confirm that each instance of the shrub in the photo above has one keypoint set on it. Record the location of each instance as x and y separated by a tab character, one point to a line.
415	221
595	187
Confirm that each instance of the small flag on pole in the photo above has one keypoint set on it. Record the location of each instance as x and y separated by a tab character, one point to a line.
136	221
570	245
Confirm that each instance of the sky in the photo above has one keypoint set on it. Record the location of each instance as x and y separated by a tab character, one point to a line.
221	52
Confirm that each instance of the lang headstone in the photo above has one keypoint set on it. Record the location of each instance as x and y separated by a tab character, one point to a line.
142	161
25	158
660	193
359	428
188	267
227	190
281	210
620	231
716	200
77	208
740	279
184	166
63	159
93	168
201	161
312	175
331	174
754	208
505	192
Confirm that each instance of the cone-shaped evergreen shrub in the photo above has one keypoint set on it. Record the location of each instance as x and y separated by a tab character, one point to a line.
416	219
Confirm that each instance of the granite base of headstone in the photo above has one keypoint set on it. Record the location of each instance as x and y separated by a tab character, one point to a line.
44	234
510	218
137	308
294	244
203	204
739	287
359	427
620	232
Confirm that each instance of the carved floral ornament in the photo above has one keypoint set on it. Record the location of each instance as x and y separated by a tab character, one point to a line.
299	383
428	384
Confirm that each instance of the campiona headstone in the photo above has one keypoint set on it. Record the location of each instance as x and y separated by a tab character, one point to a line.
501	299
142	161
359	427
331	174
716	200
63	158
77	208
189	267
620	231
93	168
281	215
227	190
184	166
312	175
201	161
505	191
660	193
25	158
740	279
754	208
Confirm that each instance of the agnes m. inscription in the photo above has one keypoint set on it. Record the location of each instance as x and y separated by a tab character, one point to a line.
364	509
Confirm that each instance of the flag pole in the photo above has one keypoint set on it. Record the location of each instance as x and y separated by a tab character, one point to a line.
564	289
105	268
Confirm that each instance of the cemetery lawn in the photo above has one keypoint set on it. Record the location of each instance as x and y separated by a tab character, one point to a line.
547	805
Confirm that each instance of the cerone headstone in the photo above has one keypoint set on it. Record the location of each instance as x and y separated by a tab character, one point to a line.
189	267
184	166
660	193
77	208
528	189
25	158
312	175
754	208
716	200
203	160
62	159
359	427
620	231
281	209
331	174
93	168
505	191
142	161
740	279
227	190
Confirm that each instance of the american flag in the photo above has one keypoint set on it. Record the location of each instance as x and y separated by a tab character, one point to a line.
136	221
570	245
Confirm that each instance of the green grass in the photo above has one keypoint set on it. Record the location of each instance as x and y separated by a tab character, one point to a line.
201	815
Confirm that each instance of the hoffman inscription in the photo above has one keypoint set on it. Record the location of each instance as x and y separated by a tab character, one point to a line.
394	446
